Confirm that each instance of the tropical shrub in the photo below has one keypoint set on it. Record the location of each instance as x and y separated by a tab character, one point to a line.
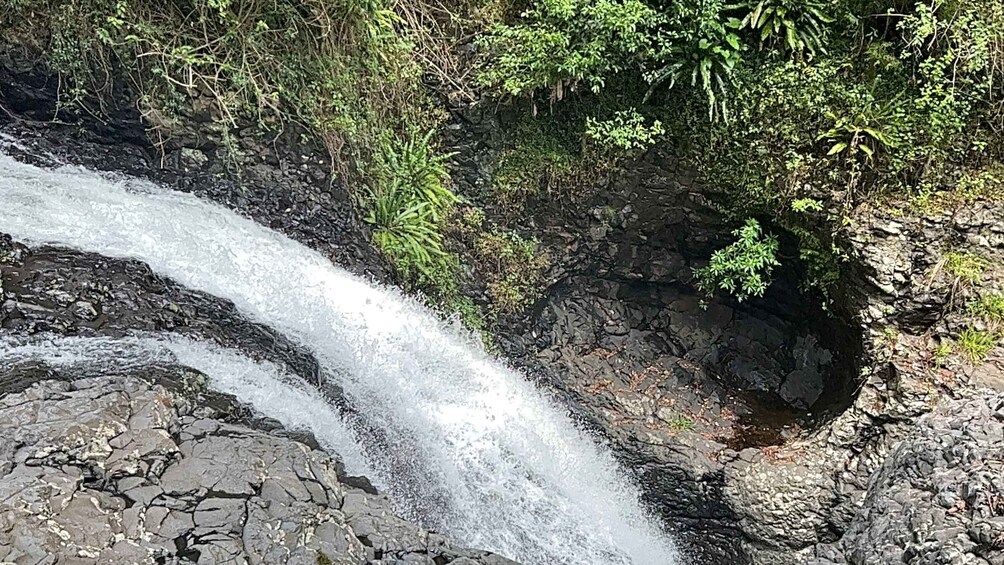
556	45
743	268
702	47
798	25
560	44
406	200
412	162
625	131
957	49
406	230
865	130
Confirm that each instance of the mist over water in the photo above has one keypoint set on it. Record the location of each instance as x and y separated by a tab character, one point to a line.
463	444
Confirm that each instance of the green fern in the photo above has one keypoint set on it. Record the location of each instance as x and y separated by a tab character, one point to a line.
707	58
798	25
406	229
414	164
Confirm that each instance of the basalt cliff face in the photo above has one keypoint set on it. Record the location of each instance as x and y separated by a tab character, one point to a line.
765	432
791	411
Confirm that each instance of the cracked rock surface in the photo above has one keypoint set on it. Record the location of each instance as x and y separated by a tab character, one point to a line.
117	470
938	497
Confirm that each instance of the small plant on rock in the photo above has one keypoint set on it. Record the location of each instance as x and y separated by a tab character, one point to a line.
989	308
986	184
681	423
515	269
509	265
965	267
405	231
941	353
626	131
744	268
976	344
413	163
804	205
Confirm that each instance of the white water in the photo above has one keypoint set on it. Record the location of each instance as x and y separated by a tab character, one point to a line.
264	385
463	444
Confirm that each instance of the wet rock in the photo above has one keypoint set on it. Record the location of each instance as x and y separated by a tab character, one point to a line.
69	292
85	311
192	159
801	388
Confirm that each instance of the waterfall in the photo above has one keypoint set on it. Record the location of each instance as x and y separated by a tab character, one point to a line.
266	386
464	445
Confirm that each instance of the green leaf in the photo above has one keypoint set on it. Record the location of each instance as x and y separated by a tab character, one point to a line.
755	16
765	33
792	42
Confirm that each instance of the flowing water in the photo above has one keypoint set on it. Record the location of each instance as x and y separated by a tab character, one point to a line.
463	444
268	387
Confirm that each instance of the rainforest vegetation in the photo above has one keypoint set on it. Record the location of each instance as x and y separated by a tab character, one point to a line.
797	110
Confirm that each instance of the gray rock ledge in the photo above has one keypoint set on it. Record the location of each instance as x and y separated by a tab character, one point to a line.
121	471
938	498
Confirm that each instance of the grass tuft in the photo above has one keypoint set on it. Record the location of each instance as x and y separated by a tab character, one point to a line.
976	344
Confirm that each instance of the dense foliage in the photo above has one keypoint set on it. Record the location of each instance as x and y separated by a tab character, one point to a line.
347	71
341	68
564	43
846	92
796	109
780	102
